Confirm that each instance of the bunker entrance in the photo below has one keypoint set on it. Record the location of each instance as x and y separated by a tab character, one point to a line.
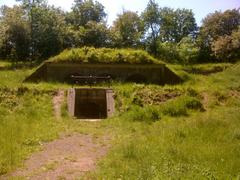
90	103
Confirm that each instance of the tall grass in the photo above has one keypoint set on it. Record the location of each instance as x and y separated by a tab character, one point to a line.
105	55
153	137
202	146
26	121
182	143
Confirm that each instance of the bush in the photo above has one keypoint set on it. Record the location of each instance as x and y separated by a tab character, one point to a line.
188	51
168	52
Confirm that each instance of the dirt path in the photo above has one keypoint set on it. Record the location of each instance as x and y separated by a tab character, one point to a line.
65	158
57	103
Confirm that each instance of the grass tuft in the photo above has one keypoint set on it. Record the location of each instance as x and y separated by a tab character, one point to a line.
105	56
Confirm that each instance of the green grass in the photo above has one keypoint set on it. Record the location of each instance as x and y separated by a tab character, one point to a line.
202	146
185	131
4	64
184	142
105	56
26	122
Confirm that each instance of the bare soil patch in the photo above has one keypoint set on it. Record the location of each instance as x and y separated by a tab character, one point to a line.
65	158
57	103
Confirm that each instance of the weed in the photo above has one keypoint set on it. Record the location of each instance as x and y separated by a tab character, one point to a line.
105	55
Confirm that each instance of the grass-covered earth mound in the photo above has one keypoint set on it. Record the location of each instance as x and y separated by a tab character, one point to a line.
104	56
184	131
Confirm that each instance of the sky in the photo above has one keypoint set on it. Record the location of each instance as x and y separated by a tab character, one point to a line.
113	7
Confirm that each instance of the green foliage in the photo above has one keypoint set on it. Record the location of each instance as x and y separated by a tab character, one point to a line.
185	52
14	33
176	24
48	32
226	48
93	34
151	18
168	52
36	31
105	55
218	27
84	11
128	29
188	51
220	23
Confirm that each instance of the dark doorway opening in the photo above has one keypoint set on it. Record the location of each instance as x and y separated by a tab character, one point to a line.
90	110
90	104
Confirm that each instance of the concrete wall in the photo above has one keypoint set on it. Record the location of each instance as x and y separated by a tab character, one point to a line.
156	74
71	101
110	102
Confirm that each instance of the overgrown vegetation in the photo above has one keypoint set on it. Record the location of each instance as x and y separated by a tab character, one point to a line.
195	135
105	56
189	130
185	131
26	121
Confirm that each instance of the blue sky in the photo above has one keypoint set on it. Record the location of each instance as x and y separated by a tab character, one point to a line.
113	7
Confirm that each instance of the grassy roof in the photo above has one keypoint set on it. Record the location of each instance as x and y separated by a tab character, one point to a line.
104	56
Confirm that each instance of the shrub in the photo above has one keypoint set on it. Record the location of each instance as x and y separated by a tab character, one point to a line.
188	51
168	52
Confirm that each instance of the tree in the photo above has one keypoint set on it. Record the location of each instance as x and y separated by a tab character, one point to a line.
86	24
30	6
14	33
186	24
151	18
176	24
220	24
49	31
227	48
128	29
168	24
188	50
216	25
94	34
84	11
167	51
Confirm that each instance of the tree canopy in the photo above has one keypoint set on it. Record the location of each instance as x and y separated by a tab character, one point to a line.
34	30
128	29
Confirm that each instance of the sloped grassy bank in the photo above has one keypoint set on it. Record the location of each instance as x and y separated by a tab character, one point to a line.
104	56
193	135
